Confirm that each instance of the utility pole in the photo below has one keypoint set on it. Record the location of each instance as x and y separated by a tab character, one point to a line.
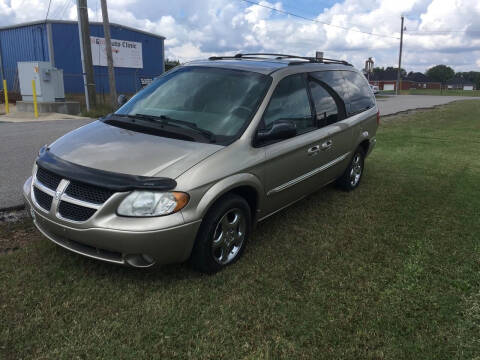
399	79
108	49
86	53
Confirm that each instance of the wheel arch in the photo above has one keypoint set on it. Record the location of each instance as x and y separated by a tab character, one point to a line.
245	185
365	145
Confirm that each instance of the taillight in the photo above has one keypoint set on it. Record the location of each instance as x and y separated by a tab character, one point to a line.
378	117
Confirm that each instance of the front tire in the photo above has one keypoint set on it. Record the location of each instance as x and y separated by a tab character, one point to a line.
353	174
223	235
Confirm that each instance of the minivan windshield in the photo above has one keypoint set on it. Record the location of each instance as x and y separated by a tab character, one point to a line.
215	101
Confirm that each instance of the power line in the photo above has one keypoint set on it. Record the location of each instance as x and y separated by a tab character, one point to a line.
436	31
317	21
62	8
48	10
69	6
441	32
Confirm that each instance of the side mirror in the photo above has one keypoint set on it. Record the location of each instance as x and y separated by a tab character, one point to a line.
280	129
122	99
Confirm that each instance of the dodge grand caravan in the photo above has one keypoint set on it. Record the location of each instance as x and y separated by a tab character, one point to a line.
188	166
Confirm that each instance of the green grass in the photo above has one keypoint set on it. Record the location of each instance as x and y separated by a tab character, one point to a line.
442	93
389	271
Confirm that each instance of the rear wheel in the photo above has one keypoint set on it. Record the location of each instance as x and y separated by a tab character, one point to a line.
223	234
353	174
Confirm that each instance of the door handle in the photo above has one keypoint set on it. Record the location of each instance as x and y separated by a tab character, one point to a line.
313	150
327	145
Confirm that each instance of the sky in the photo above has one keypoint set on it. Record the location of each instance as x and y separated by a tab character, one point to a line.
196	29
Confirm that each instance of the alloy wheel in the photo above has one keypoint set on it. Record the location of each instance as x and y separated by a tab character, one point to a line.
356	170
229	236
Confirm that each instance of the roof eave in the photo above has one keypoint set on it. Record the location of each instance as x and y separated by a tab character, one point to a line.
52	21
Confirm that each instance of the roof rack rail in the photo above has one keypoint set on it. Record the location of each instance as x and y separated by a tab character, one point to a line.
301	59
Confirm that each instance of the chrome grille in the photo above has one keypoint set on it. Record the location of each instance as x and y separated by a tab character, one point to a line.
71	200
42	199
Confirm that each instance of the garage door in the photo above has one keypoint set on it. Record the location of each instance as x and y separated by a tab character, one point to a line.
388	87
468	87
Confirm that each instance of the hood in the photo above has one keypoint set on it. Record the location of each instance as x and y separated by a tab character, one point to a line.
105	147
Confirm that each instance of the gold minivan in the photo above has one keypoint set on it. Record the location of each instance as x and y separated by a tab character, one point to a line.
187	166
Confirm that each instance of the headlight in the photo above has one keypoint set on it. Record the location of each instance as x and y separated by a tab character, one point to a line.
150	203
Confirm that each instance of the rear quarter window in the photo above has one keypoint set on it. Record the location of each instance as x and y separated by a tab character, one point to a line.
335	80
352	87
358	96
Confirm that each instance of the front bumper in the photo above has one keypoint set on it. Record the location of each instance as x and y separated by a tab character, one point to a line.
138	242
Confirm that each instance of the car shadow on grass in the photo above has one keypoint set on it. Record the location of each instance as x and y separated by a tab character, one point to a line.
260	241
174	272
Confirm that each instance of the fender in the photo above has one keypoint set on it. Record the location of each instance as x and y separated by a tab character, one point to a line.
366	136
365	132
198	211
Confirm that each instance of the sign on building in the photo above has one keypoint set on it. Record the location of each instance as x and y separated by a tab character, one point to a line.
125	53
144	81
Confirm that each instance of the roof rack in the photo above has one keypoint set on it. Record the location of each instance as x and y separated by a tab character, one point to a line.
300	59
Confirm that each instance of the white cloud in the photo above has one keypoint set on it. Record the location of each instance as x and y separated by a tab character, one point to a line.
197	29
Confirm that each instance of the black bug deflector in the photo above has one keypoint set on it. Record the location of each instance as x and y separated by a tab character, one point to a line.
105	179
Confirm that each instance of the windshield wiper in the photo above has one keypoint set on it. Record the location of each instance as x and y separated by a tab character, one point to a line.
157	128
166	120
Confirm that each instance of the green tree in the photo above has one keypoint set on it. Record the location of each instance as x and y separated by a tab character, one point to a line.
440	73
170	64
390	70
473	76
403	72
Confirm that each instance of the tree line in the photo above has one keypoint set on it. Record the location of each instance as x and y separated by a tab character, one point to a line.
438	73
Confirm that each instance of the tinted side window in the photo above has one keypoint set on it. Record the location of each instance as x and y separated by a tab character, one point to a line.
359	97
290	101
325	106
335	80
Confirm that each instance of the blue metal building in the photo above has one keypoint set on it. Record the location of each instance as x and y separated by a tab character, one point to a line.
57	41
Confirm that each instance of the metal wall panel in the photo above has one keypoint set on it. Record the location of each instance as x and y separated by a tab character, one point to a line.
67	57
27	43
